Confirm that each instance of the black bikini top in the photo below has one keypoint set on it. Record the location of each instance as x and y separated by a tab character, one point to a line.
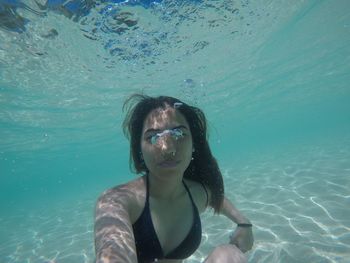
148	247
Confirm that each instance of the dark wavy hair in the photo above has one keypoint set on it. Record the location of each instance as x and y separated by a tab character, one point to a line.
203	168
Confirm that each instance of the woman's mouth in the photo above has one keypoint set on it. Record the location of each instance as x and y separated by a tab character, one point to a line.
169	163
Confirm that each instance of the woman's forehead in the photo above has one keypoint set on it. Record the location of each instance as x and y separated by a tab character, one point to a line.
164	118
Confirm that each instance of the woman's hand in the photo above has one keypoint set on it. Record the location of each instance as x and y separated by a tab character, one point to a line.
243	238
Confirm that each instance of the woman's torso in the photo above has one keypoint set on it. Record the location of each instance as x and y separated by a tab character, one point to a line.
173	221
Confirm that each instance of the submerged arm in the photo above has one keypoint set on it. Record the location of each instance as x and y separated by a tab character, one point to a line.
242	237
114	238
231	212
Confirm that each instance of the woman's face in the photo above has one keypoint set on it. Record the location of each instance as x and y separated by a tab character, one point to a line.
166	142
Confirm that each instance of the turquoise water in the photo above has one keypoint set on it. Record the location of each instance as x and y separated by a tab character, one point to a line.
273	79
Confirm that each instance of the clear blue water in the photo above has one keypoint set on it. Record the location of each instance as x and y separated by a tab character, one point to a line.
272	77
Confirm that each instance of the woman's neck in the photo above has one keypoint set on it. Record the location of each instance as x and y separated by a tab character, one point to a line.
165	188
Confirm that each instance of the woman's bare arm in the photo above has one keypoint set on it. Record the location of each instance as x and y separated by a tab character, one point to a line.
114	238
230	211
242	237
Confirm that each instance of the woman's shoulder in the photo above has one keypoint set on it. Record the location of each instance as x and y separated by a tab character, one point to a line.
200	194
124	188
130	195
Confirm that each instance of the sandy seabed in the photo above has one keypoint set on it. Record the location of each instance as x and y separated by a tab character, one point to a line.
298	202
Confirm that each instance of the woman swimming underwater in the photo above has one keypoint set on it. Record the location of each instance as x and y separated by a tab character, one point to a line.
155	218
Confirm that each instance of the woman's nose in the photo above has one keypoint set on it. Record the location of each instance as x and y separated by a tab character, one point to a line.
167	144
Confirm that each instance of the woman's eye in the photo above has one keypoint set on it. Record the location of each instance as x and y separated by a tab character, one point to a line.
149	137
154	138
177	133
